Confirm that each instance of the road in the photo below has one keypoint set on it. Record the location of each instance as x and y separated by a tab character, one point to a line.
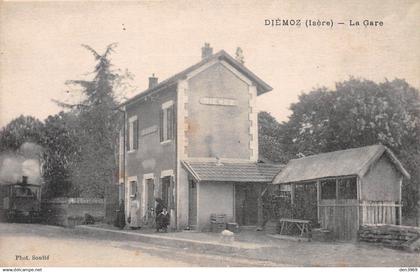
55	246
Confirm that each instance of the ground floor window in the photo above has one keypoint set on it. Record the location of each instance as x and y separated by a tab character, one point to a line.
328	189
347	188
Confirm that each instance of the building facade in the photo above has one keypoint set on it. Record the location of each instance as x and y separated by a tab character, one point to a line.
201	119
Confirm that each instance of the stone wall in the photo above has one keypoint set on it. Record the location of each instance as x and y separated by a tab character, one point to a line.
394	236
69	212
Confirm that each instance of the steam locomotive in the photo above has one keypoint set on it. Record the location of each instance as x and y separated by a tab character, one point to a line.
21	202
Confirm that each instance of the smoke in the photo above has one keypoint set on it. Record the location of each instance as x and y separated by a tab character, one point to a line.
24	162
10	168
30	150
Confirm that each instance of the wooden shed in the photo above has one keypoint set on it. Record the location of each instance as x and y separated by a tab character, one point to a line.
349	187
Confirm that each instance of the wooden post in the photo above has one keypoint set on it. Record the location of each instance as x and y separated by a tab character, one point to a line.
292	193
292	197
400	202
336	190
358	202
318	198
260	206
337	209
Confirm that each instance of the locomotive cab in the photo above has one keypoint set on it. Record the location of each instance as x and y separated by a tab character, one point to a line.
23	202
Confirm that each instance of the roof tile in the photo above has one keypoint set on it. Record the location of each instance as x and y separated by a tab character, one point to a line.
233	172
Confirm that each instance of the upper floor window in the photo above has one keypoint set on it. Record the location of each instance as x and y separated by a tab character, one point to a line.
133	134
167	122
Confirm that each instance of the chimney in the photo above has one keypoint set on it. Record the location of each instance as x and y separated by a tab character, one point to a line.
153	81
206	51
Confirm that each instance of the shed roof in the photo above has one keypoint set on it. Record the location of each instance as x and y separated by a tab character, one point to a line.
354	161
232	171
262	87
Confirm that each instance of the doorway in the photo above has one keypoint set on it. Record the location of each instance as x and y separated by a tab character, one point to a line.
305	203
246	204
134	204
150	200
166	193
192	203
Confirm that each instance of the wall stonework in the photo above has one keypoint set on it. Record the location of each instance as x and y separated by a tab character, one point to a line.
69	212
394	236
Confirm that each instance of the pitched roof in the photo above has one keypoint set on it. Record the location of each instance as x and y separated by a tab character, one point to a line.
262	87
354	161
232	171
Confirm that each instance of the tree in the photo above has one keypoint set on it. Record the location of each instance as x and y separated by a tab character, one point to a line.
97	126
269	139
61	150
20	130
359	113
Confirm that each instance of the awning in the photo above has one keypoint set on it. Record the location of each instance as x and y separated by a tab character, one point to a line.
232	171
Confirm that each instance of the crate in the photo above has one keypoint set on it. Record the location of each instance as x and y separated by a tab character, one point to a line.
217	218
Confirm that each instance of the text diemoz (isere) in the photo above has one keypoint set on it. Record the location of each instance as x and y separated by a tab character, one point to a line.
326	23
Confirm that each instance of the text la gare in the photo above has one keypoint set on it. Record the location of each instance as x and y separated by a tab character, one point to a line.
365	23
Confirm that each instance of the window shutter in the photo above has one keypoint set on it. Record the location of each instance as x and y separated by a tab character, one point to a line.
161	125
171	193
169	123
173	123
127	133
136	134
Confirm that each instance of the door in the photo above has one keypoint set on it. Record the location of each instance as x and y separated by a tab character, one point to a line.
306	203
166	184
134	204
192	203
246	204
150	200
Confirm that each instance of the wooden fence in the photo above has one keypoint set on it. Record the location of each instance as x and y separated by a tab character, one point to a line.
380	212
343	217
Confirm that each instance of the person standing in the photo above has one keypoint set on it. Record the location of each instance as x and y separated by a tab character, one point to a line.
159	208
162	221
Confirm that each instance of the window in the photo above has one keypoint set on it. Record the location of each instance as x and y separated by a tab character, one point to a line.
285	190
347	188
133	134
133	189
167	122
328	189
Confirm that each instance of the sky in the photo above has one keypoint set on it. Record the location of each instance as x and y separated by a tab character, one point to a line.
40	45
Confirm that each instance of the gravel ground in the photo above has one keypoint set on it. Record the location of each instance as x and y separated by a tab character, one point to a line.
66	248
56	246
